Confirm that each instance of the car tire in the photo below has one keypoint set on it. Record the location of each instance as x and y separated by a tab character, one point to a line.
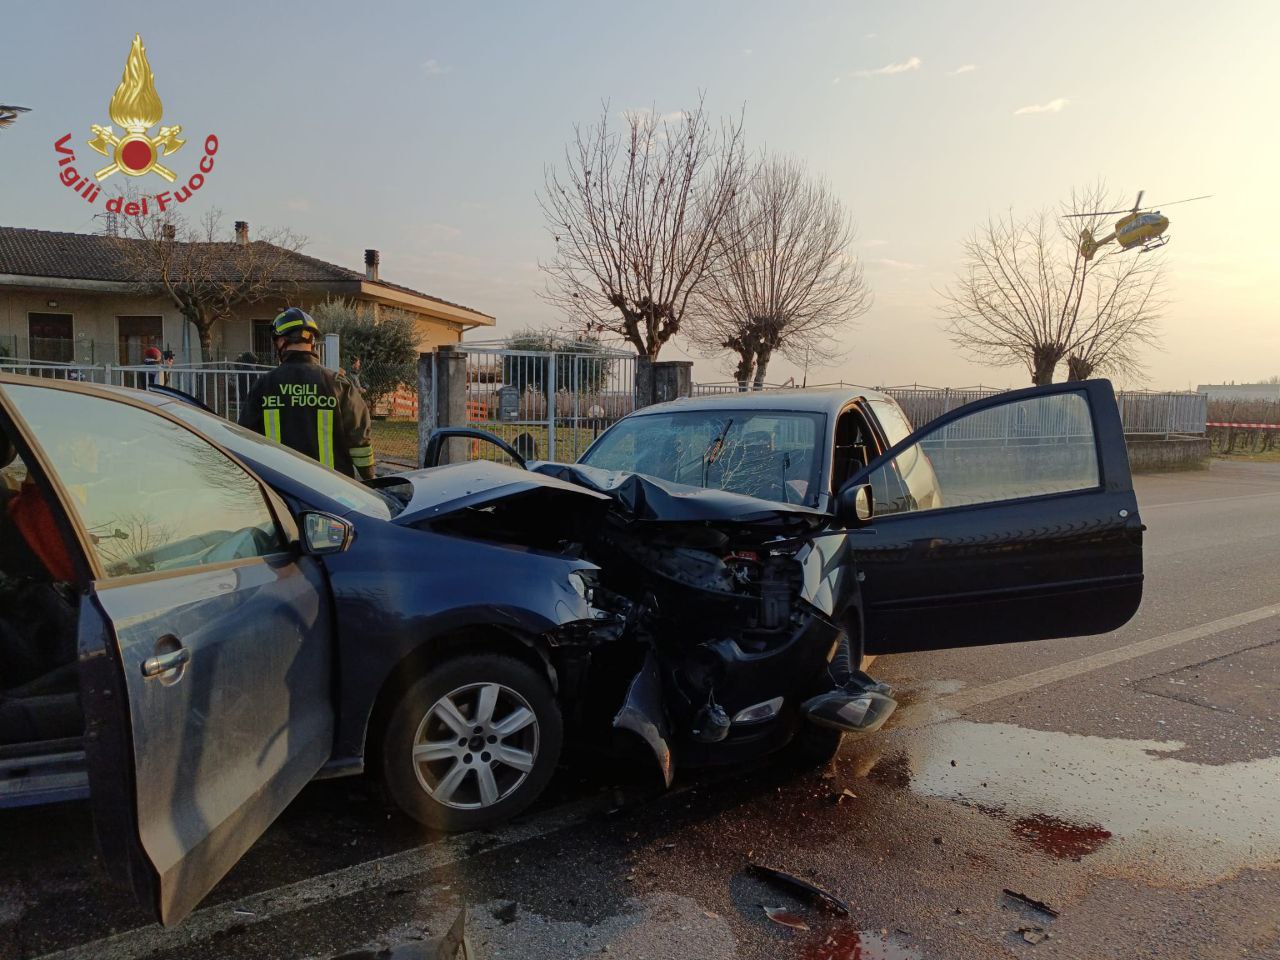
472	743
814	746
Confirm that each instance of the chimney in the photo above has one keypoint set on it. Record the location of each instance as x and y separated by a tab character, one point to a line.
168	231
242	232
371	265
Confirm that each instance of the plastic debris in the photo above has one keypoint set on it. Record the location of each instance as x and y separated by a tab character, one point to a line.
785	917
1031	902
1034	934
823	898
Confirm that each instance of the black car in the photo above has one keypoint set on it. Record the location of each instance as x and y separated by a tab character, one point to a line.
196	622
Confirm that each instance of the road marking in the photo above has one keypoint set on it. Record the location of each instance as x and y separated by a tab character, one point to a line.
255	908
1188	503
977	696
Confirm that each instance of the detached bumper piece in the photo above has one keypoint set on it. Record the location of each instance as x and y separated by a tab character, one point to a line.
851	711
642	715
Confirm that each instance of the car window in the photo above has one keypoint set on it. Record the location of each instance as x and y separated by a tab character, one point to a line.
1024	448
151	495
259	450
893	421
766	454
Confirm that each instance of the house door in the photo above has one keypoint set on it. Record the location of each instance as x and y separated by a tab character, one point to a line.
136	334
50	337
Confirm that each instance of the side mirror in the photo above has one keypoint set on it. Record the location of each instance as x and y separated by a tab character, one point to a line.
324	533
853	505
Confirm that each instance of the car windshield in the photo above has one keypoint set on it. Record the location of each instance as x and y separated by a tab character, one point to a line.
257	448
768	454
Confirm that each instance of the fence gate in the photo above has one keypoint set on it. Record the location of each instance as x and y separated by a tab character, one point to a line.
548	405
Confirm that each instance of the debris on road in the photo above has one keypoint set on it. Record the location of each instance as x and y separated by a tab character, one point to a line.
823	898
454	945
843	795
1031	902
1034	934
785	917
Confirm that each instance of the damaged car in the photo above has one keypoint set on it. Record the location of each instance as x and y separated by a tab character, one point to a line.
195	622
759	547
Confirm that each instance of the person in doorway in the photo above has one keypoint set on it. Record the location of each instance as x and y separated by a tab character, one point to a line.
307	407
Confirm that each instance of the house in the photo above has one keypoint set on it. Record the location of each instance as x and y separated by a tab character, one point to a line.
71	297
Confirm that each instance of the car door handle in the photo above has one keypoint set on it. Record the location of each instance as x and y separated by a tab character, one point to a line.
165	663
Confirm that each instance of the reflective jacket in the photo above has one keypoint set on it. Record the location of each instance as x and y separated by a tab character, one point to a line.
314	410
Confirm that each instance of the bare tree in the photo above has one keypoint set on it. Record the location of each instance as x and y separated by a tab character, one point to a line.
633	215
782	278
1028	296
205	275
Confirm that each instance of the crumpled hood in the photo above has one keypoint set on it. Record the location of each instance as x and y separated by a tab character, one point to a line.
441	491
641	497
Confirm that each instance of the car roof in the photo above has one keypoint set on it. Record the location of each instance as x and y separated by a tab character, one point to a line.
84	386
807	399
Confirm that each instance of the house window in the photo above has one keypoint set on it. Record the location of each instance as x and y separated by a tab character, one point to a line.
264	346
49	337
136	334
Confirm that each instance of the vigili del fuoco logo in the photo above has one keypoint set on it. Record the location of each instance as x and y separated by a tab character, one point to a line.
135	151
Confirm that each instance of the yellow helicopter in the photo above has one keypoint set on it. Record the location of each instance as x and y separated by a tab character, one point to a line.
1144	228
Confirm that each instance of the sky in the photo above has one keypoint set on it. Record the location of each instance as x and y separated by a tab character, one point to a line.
423	129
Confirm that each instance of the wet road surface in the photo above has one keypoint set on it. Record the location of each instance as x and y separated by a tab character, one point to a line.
1113	796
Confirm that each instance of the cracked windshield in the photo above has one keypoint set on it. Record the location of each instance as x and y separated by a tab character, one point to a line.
765	454
667	481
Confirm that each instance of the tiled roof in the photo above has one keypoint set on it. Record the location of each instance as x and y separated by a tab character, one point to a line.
85	256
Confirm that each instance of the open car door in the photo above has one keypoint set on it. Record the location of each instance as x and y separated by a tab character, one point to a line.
205	646
1012	518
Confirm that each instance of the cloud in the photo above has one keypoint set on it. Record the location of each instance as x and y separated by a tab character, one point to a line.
1053	106
301	204
891	264
747	51
912	63
433	68
964	68
870	36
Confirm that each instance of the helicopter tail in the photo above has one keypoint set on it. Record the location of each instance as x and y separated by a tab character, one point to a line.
1088	245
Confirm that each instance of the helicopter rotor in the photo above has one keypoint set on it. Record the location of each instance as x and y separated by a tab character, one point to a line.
1136	207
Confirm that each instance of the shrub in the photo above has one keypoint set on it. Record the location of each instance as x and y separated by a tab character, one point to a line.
378	354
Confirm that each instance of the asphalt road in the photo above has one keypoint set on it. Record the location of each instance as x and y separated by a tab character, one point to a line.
1128	783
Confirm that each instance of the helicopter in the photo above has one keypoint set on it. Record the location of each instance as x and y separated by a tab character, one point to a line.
1143	227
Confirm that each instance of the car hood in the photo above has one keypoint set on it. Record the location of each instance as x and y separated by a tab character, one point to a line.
441	491
641	497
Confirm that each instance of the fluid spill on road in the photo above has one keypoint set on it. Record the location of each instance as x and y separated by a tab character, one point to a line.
858	945
1123	803
1060	838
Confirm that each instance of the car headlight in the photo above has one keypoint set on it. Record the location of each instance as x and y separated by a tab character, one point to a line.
583	586
758	712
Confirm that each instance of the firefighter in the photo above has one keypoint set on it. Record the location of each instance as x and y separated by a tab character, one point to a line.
305	406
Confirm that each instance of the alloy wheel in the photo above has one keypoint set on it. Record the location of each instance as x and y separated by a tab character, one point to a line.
475	746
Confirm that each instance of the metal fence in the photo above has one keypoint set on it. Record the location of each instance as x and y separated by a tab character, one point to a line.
221	387
1141	412
548	405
